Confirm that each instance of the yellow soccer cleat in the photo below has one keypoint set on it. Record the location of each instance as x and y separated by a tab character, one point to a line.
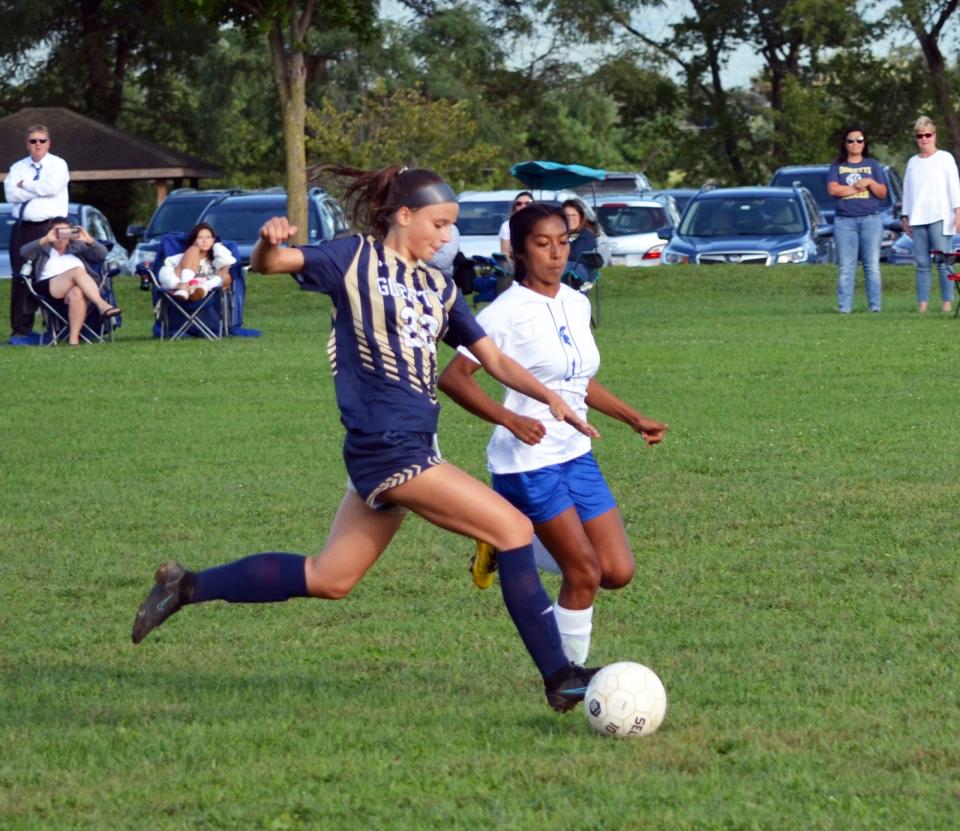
483	565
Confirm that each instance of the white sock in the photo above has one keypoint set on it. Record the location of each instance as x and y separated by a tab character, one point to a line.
544	558
575	626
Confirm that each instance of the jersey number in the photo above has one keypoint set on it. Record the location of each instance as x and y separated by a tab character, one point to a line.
419	331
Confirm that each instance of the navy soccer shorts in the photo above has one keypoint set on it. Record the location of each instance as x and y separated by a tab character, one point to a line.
377	462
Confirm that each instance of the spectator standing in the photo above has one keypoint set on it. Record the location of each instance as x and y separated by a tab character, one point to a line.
931	209
37	188
859	185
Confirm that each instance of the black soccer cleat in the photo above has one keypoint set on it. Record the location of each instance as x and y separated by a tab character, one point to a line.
568	685
173	588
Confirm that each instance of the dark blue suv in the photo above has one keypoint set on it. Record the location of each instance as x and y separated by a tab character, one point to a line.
750	225
240	216
178	212
814	178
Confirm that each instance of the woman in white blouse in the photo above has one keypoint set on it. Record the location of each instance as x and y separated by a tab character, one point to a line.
931	209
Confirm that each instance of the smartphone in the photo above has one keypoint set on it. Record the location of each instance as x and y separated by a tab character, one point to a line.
68	233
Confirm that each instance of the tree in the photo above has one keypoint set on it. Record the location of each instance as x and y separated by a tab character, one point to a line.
927	19
86	54
287	25
404	126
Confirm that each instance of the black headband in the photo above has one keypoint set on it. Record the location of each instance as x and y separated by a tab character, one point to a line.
435	193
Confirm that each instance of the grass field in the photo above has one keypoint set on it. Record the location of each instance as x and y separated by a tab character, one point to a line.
797	586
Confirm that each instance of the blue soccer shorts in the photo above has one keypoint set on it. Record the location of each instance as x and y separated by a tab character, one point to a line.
547	492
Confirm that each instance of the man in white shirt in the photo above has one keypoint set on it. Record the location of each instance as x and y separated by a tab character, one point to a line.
37	188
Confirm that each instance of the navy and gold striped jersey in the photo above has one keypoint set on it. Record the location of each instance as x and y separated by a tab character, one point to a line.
387	319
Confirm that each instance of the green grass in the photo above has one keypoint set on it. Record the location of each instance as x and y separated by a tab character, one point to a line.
797	583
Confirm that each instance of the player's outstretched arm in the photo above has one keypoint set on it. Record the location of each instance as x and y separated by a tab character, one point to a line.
268	256
599	398
458	382
511	374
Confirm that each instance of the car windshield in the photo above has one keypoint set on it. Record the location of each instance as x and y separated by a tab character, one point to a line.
482	219
813	181
743	216
176	215
621	220
241	221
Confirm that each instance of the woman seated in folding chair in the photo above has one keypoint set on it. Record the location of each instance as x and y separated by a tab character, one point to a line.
582	241
203	266
64	268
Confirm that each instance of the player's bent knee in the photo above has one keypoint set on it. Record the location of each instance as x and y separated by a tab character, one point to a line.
618	576
514	534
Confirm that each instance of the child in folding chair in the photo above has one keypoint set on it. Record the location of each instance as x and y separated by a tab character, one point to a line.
63	262
203	266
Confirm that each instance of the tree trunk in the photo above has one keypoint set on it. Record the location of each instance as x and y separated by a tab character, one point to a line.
290	76
728	130
942	92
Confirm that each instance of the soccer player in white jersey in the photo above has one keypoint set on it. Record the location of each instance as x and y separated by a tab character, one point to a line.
543	467
390	310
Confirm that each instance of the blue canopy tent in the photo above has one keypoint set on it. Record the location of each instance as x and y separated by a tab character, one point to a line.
556	176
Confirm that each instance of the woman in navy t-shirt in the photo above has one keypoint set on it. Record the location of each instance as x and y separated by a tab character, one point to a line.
860	187
389	311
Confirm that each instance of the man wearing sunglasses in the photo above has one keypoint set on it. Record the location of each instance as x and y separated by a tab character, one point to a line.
36	186
931	210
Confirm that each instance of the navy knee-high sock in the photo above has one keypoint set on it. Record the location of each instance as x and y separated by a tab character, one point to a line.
531	608
261	578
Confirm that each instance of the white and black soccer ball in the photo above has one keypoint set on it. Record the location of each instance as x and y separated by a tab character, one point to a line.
624	700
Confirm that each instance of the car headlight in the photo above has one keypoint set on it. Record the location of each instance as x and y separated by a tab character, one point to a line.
675	258
794	255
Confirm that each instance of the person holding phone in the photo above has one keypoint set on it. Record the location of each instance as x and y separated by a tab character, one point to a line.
36	186
63	262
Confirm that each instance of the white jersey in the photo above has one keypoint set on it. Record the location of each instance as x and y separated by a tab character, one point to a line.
551	338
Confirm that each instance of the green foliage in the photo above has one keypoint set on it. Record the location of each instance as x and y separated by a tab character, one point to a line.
404	126
797	583
811	118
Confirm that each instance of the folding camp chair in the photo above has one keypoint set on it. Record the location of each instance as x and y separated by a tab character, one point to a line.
584	276
55	313
212	317
952	259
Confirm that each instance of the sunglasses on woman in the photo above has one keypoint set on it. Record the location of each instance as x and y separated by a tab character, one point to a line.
924	135
855	141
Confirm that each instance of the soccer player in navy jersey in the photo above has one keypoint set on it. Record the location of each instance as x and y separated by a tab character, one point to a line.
390	309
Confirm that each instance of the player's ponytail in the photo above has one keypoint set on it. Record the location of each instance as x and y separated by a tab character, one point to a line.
375	195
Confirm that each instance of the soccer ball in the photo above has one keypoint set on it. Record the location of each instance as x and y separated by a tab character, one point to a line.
624	700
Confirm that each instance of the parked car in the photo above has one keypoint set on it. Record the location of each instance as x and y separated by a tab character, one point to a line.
180	211
238	217
88	216
814	178
482	212
632	223
901	252
613	183
756	225
681	195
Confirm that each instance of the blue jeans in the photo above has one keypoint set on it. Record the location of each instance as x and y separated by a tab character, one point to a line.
858	236
927	238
